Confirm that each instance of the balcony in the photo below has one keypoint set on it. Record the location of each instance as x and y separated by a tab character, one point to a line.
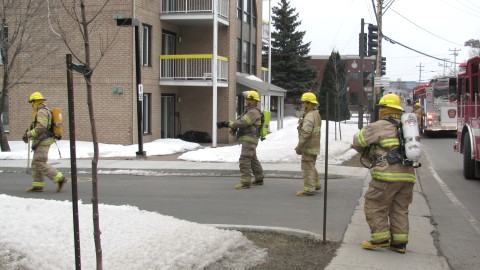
192	70
194	12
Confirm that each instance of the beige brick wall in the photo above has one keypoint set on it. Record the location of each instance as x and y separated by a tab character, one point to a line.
115	114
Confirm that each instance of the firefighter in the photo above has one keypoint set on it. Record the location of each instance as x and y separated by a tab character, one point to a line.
247	127
418	110
391	189
39	133
309	126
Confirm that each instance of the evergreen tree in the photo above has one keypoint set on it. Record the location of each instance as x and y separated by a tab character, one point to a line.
335	83
289	55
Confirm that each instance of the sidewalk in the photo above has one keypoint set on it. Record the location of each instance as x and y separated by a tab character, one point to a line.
421	251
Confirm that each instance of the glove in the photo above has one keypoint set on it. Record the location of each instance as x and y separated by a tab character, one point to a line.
25	137
223	124
298	150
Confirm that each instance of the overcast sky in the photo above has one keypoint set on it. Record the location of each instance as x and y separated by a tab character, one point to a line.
434	27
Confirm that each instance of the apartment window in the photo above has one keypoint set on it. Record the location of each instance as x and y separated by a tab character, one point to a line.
147	45
246	57
353	76
239	9
254	59
168	42
147	113
239	55
247	10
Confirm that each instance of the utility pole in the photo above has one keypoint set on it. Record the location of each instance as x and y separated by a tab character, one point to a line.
455	53
444	65
420	69
378	65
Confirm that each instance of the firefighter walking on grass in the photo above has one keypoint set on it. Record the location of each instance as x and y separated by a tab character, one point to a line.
390	191
309	127
247	127
39	133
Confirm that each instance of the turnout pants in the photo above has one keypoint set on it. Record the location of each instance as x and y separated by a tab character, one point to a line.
386	210
41	168
309	173
249	163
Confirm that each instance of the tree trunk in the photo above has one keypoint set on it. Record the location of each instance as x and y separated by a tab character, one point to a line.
5	147
88	81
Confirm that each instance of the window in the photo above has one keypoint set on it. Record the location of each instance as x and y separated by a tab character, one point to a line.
168	43
239	9
239	55
246	57
147	113
246	11
147	45
254	59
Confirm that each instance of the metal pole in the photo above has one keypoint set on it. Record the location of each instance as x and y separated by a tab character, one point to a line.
138	74
73	162
362	55
214	73
326	175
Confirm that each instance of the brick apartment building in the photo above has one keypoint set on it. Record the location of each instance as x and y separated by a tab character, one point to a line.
354	82
177	47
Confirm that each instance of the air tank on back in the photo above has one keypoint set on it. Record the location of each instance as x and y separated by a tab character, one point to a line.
411	136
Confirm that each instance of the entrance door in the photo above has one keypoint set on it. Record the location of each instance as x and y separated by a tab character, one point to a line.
168	116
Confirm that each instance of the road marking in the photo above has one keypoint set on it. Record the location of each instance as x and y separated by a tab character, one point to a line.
473	221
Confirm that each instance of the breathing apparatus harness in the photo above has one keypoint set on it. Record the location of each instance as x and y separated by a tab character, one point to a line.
393	156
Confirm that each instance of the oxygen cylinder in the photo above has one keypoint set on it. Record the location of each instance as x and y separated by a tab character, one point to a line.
411	137
57	122
266	124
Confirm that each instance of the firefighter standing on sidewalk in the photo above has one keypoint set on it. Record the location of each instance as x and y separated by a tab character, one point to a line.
39	132
417	109
309	127
390	191
247	128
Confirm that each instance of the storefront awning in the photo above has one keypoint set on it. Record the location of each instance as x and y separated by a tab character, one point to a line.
246	82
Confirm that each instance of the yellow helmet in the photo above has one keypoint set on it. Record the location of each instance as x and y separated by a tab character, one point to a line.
418	105
391	101
251	94
36	96
309	97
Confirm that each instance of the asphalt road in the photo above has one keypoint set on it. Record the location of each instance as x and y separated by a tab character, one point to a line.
454	202
213	200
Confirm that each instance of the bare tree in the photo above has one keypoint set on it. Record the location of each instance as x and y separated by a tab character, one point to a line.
22	37
340	88
75	20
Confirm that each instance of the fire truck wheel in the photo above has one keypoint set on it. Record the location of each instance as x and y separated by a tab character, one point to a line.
468	162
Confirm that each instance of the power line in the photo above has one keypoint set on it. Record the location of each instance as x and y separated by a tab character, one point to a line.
460	9
412	49
425	29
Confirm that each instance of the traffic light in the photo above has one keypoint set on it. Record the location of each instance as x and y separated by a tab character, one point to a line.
372	39
384	66
362	42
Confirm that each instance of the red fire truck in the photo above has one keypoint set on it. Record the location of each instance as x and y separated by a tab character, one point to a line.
468	132
439	106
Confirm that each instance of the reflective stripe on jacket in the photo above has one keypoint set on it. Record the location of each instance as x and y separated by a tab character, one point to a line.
382	135
40	128
309	130
248	125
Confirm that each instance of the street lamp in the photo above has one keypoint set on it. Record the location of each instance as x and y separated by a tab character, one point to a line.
129	22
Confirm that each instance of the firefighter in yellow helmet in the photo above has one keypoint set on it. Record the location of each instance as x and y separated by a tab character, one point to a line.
418	110
309	127
390	191
39	133
247	127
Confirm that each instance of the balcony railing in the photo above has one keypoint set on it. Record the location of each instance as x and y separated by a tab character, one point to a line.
192	67
195	6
